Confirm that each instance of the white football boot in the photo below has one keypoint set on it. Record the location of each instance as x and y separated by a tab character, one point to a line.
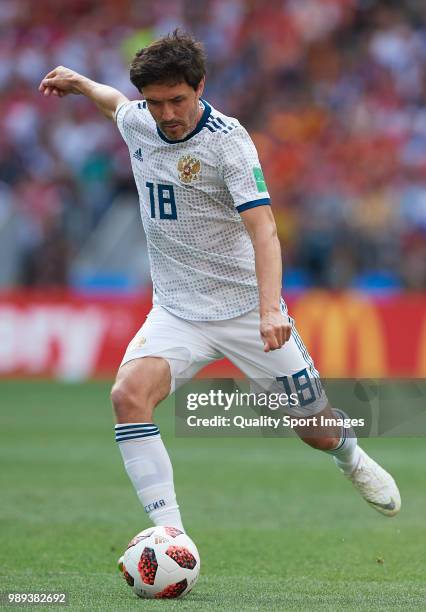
377	487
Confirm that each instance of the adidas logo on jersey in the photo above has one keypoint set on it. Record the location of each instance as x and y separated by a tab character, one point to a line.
138	155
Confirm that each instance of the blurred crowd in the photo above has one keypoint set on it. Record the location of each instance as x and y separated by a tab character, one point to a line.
332	91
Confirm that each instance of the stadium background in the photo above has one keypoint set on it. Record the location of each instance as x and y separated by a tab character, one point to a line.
333	93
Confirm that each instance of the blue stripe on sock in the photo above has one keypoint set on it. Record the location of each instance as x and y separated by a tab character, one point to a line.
340	414
119	427
133	431
124	432
342	441
135	436
137	431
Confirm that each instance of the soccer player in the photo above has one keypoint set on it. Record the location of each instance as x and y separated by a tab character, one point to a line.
215	264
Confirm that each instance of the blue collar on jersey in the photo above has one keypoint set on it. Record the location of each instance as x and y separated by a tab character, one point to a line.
198	127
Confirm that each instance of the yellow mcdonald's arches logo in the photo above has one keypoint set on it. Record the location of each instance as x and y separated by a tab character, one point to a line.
336	326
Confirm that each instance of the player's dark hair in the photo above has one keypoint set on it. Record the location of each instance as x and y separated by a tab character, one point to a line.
175	58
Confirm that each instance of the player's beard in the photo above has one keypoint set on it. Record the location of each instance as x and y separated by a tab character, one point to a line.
171	129
187	127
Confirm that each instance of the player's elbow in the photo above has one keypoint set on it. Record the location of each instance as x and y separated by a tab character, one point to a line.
265	233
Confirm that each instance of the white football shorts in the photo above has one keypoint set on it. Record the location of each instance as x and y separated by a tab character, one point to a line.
188	346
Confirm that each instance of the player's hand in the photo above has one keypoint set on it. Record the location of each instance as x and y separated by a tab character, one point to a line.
60	82
275	330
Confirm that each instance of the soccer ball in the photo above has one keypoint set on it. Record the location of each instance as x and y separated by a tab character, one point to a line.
161	562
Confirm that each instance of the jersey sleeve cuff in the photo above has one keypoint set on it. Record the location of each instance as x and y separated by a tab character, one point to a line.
253	204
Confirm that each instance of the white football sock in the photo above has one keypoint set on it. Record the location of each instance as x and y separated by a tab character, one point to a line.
149	468
346	454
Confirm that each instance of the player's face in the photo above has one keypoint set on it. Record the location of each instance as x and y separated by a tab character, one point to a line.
175	108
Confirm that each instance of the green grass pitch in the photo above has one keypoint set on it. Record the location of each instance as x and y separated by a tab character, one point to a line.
277	526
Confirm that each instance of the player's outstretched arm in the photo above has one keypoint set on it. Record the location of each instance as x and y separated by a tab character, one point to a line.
275	328
62	81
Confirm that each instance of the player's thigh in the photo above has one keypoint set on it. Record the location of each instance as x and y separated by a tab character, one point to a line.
239	339
174	340
289	369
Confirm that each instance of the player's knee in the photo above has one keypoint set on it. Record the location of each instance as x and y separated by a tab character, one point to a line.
140	386
130	404
322	443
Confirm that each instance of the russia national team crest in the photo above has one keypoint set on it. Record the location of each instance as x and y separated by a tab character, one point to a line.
189	168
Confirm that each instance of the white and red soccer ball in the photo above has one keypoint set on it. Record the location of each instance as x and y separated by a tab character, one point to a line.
161	562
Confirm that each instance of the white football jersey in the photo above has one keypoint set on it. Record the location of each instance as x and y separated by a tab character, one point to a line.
191	192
